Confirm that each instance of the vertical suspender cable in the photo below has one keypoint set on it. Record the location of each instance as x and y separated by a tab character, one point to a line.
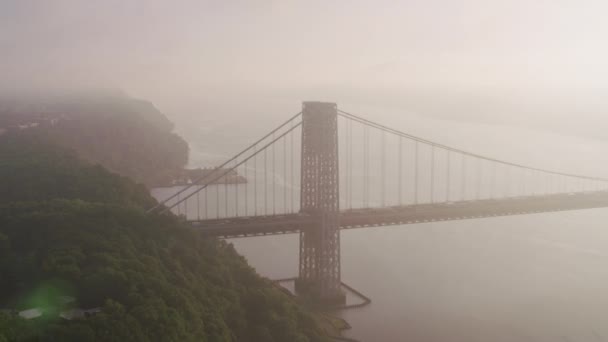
293	157
542	180
399	170
186	208
206	202
555	184
383	171
479	176
198	205
347	148
246	190
532	183
274	179
225	179
416	173
350	168
432	173
179	210
508	182
235	183
596	185
366	166
363	169
365	199
447	195
344	167
350	164
464	177
255	181
492	179
285	174
364	173
347	163
266	181
524	180
217	197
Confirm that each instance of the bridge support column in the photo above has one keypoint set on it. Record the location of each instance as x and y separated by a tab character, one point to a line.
320	243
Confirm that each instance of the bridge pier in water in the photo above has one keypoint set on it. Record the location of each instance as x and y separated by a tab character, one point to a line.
319	269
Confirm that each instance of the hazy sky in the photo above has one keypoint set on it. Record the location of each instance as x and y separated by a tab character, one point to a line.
505	52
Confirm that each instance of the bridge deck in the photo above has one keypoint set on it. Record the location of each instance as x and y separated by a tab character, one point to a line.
411	214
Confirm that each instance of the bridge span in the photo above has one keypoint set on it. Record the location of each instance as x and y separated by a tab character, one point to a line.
403	215
304	177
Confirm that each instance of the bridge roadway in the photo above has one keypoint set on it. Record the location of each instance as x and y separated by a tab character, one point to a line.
410	214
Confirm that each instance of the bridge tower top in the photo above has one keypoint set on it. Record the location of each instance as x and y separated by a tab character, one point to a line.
320	179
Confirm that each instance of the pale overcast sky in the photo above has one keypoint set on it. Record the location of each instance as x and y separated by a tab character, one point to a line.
370	50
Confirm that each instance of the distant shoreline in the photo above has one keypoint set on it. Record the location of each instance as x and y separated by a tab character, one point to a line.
217	176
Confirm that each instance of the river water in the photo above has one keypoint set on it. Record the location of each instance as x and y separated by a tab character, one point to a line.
540	277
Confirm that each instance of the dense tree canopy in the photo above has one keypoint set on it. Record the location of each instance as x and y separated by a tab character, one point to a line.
82	232
33	170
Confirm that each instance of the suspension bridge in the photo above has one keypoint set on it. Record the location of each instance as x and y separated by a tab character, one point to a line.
304	177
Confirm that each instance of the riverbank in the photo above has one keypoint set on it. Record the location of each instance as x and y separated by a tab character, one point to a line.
332	325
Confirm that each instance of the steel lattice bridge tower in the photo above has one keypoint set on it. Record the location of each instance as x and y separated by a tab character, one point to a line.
304	177
320	198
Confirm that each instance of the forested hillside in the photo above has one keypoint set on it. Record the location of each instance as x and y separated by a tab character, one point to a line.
125	135
72	230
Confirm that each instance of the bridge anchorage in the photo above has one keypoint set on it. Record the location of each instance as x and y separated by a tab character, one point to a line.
305	178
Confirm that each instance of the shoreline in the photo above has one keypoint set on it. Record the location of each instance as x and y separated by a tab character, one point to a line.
332	325
187	177
241	180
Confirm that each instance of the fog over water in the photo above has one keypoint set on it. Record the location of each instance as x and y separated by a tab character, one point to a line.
522	81
535	64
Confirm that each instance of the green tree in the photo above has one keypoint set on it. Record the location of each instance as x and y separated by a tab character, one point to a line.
82	231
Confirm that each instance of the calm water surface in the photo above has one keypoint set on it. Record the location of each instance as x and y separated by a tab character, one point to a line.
538	277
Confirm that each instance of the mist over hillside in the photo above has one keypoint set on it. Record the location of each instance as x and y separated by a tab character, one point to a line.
126	135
